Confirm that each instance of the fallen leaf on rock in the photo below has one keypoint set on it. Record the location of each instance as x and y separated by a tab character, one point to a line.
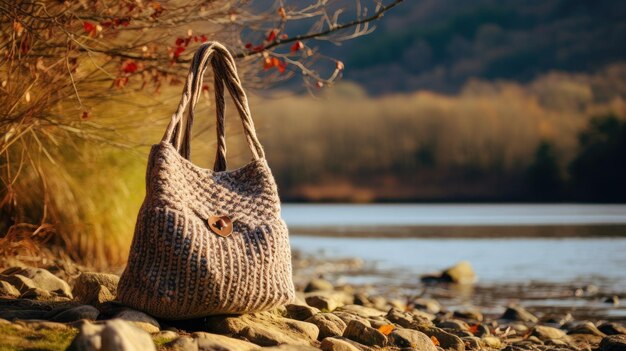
435	340
386	329
474	329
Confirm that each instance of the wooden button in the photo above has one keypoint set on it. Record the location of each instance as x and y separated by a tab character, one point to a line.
221	225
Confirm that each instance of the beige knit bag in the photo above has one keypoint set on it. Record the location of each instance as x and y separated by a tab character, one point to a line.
208	241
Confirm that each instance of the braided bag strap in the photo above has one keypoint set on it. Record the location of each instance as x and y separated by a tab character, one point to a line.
178	132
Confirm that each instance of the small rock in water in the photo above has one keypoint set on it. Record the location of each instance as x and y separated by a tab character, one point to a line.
613	343
319	285
461	273
364	334
614	300
329	325
518	313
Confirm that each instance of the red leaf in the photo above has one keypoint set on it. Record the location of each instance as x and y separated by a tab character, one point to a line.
203	38
297	46
272	35
179	50
282	66
90	28
258	48
180	41
129	66
248	45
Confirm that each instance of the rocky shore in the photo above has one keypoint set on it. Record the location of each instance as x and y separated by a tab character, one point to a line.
65	307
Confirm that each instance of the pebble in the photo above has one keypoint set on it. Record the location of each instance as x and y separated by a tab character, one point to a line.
411	338
612	328
364	334
518	313
8	290
338	344
319	285
140	320
301	312
547	333
322	302
329	325
613	343
75	314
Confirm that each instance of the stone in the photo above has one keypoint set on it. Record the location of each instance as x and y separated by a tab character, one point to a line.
139	320
41	279
401	318
586	328
377	322
362	299
361	311
208	341
8	290
120	335
40	324
166	334
518	313
472	343
36	294
428	305
347	317
547	333
379	302
337	344
613	300
88	338
328	324
455	324
411	338
461	273
264	329
319	285
364	334
95	288
285	347
301	312
185	343
492	341
447	340
471	314
613	343
322	302
397	304
612	328
75	314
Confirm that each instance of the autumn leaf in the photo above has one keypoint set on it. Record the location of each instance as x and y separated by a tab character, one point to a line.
297	46
18	28
386	329
129	66
272	35
435	340
473	329
90	28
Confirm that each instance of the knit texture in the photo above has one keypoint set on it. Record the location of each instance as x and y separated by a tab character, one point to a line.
177	267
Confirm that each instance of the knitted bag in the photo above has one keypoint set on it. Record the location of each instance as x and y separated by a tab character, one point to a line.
208	241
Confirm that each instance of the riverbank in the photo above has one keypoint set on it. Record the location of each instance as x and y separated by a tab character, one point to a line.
63	305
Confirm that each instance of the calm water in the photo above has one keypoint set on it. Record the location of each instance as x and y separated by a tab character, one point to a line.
545	269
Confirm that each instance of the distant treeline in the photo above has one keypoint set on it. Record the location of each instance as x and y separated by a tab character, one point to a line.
558	138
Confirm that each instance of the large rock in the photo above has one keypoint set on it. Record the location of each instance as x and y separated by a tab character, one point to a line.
613	343
264	329
411	338
328	324
364	334
114	335
301	312
8	290
95	288
518	313
319	285
208	341
139	320
75	314
41	279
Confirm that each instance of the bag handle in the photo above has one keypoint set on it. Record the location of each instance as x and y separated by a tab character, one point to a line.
178	131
